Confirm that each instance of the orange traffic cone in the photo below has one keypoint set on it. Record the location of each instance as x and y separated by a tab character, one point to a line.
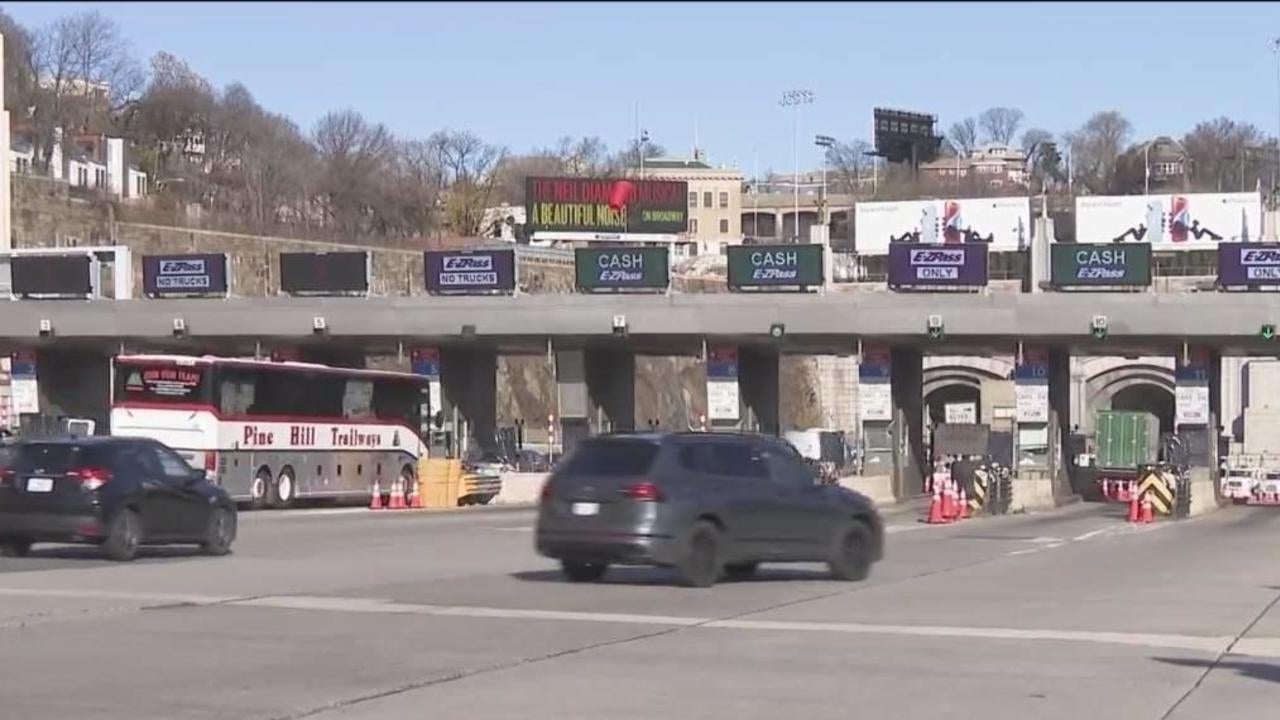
375	503
936	516
415	498
1134	511
1148	513
397	496
964	504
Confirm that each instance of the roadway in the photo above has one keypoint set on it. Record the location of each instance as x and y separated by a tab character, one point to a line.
349	614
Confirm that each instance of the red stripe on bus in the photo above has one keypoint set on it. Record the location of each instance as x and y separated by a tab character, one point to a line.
196	407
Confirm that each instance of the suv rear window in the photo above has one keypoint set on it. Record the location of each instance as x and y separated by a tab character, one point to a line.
56	457
611	458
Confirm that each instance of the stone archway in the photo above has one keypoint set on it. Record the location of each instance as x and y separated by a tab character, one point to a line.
1143	387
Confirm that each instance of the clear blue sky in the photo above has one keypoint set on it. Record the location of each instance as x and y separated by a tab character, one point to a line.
525	74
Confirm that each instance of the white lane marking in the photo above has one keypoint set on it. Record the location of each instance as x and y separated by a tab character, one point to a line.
1027	551
1045	540
1094	533
1261	647
166	598
1258	647
1212	644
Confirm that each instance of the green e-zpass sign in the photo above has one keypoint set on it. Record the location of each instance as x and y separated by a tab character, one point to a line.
621	268
775	265
1100	264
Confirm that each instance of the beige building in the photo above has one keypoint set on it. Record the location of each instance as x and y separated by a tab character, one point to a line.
990	167
715	199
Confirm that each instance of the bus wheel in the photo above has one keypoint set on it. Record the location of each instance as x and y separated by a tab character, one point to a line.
284	490
258	490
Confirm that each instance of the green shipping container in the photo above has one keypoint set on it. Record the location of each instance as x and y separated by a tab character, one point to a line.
1126	439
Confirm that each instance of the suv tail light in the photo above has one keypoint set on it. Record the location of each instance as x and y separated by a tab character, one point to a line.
7	476
644	492
91	478
546	490
210	463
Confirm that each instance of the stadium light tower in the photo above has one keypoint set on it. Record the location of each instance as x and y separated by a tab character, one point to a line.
794	99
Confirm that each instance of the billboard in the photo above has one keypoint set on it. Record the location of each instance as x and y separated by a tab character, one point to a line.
1100	264
753	266
1248	264
178	275
932	266
1003	224
1171	222
334	273
606	205
472	271
50	275
621	268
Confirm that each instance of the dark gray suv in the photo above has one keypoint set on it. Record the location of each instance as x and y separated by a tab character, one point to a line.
705	504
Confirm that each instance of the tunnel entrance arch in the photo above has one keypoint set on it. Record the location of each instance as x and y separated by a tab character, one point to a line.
1137	387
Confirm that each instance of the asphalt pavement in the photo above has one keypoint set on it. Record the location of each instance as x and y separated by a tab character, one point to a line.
356	614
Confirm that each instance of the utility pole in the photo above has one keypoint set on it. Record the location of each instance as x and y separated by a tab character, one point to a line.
794	99
826	142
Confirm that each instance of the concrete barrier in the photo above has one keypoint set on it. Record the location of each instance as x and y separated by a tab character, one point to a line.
520	488
1031	491
1204	492
879	488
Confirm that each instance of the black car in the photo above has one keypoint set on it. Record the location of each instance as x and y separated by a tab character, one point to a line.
705	504
118	493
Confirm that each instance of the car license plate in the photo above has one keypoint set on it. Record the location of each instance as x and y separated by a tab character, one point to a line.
580	508
41	485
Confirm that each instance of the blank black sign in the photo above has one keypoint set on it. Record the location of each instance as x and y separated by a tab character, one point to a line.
324	273
50	275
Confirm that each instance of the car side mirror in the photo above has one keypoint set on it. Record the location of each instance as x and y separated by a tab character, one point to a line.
196	477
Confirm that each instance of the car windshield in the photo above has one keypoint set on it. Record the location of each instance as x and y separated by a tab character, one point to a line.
611	458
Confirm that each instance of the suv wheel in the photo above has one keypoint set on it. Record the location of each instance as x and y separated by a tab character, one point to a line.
123	536
15	548
851	553
578	571
700	566
220	533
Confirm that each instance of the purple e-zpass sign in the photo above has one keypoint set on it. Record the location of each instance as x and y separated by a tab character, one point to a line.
175	275
913	265
475	271
1248	264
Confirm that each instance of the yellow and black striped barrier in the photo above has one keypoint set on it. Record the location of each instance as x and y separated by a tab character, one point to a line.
1155	487
978	496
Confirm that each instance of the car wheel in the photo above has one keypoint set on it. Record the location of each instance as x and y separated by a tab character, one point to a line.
577	571
220	533
741	571
15	548
284	490
485	499
700	566
851	553
259	489
123	536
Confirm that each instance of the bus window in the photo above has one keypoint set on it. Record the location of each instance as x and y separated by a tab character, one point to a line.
236	392
397	400
357	399
166	384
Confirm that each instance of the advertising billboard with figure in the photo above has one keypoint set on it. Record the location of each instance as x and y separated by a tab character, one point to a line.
1002	224
1188	221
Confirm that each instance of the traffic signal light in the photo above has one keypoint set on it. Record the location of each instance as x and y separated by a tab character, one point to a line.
936	329
1099	326
1268	332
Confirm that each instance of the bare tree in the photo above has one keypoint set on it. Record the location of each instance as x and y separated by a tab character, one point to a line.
1000	124
19	68
628	160
469	166
171	118
352	153
851	163
1095	146
85	75
964	135
1033	137
1225	154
